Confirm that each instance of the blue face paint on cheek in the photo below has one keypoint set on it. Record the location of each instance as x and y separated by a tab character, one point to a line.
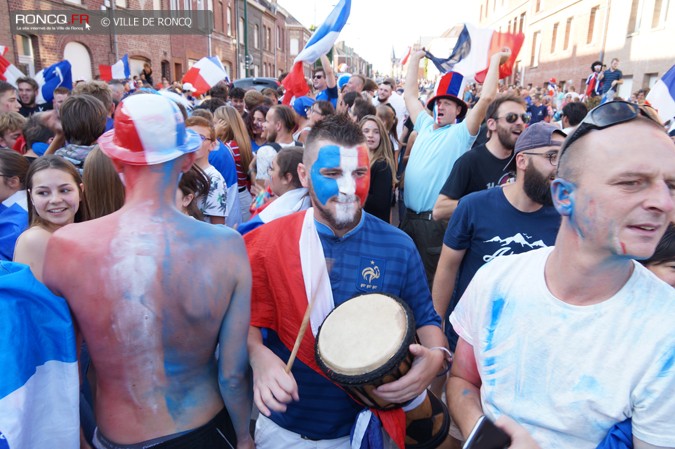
325	188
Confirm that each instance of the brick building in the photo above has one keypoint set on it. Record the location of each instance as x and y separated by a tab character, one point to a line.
563	38
274	39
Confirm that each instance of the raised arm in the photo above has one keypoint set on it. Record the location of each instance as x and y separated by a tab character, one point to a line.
331	81
233	375
476	115
411	92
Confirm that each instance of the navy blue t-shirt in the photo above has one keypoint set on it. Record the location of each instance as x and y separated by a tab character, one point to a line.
487	226
537	113
609	77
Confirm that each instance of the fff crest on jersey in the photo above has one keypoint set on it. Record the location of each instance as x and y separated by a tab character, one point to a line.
371	274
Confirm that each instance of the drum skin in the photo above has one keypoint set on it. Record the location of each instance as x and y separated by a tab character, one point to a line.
360	386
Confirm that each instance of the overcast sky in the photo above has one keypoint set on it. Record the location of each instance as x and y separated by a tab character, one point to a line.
375	26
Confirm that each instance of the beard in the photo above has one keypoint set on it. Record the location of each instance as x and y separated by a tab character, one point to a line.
347	212
506	138
537	186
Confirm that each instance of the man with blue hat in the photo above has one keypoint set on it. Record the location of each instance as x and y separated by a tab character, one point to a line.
167	339
441	140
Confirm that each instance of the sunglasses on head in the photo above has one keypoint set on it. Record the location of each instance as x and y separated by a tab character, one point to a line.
606	115
512	117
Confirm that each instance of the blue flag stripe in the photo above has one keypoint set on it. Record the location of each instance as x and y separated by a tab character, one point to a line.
335	22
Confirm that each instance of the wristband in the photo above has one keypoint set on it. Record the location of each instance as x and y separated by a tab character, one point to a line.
448	359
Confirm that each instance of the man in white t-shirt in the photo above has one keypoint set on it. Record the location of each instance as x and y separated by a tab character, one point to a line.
571	340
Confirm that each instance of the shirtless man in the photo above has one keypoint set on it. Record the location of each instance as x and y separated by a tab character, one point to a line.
151	319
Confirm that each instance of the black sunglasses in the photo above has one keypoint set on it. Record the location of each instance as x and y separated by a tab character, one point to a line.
606	115
512	117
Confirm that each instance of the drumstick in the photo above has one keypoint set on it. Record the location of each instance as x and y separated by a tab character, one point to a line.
301	333
303	328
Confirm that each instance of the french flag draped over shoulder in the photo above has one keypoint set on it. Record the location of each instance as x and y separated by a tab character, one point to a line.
319	44
54	76
472	52
290	202
8	71
118	71
204	74
39	383
662	95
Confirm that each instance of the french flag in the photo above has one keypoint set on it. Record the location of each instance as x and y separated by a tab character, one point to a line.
118	71
472	52
57	75
290	202
319	44
206	73
404	61
662	95
39	383
8	71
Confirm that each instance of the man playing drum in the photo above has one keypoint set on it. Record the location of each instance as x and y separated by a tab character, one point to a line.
325	256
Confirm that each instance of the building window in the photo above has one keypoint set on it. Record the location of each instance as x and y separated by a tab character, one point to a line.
554	37
229	21
256	31
80	60
522	21
536	45
568	31
634	20
187	5
279	39
173	5
26	61
242	29
592	23
537	6
121	3
268	38
660	13
487	5
294	46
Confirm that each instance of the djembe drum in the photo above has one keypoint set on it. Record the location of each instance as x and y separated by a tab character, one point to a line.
362	344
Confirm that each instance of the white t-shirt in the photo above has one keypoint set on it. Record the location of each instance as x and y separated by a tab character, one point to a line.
215	204
568	373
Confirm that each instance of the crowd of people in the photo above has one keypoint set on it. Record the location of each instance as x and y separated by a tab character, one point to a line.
200	242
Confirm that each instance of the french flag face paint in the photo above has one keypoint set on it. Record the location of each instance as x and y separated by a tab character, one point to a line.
341	173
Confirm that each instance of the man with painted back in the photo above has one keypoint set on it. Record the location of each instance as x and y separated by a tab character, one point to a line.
556	338
152	321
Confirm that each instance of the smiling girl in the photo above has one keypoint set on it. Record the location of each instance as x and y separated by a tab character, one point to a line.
382	168
54	189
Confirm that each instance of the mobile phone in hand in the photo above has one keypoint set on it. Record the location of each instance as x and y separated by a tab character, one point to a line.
485	435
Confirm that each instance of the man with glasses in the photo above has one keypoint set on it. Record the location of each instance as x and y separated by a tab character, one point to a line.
214	205
497	222
572	340
324	82
486	166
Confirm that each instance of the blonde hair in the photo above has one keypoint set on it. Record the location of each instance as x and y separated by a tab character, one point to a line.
384	151
235	129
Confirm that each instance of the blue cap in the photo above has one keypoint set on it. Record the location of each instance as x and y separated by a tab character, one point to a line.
302	104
